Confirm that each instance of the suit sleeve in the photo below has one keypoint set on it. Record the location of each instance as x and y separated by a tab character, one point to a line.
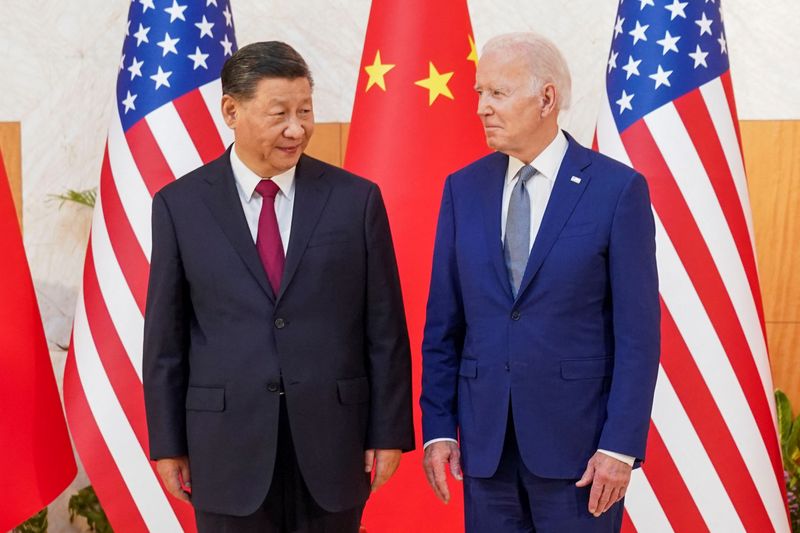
444	332
636	315
165	367
389	355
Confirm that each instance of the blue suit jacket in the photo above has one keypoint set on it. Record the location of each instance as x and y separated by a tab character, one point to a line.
576	354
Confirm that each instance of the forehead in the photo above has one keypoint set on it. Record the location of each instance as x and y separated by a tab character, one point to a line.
282	89
502	65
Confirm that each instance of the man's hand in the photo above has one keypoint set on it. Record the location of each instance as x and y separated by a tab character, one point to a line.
437	456
174	472
383	463
609	478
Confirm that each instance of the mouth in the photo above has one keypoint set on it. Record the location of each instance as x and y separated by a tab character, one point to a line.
290	150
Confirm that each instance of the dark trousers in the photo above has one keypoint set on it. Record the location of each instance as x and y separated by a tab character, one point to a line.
288	507
515	500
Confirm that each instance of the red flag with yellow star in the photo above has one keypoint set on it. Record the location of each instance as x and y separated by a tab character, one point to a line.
414	122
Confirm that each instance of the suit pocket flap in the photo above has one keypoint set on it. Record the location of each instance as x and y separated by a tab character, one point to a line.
205	399
327	237
594	367
578	229
355	390
468	368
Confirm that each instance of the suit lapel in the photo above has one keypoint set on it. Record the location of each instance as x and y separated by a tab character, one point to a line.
310	195
496	166
223	201
563	198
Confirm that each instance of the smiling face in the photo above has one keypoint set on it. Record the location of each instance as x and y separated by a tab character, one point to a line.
517	120
273	127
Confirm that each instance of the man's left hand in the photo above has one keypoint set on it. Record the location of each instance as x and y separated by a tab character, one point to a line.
609	478
383	463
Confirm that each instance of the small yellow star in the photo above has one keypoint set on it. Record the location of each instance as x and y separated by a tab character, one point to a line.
377	71
473	52
436	83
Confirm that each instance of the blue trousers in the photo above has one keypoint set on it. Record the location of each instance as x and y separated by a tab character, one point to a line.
514	500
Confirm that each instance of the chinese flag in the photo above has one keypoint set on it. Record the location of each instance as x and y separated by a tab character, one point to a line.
36	460
414	122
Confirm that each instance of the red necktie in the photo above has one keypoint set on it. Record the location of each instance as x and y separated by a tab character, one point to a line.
268	239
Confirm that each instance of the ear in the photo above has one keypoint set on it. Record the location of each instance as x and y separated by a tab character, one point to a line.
230	110
549	97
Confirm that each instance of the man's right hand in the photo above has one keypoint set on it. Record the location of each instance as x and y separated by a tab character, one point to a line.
438	456
173	471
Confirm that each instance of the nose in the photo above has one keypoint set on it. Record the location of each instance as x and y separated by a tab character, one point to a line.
294	129
483	106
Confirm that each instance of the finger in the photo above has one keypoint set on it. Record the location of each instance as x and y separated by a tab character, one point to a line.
622	492
435	487
428	467
382	474
587	477
369	460
613	497
594	496
602	501
186	475
455	465
441	482
173	484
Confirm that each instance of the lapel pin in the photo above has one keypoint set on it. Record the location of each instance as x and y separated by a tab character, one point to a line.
575	179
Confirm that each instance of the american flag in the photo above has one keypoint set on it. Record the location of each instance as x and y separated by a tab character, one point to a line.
713	460
166	122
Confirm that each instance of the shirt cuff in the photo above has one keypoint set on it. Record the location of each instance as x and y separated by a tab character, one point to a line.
627	459
443	439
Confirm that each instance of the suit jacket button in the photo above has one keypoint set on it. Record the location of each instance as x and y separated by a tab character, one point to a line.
515	314
273	387
280	323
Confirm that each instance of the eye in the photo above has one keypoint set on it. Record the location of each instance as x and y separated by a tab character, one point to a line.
497	92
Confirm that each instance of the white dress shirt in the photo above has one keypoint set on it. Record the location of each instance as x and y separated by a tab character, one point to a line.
540	185
246	182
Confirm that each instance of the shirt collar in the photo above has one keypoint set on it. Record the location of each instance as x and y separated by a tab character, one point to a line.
248	180
547	163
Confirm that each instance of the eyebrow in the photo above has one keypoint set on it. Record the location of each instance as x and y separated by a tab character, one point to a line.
279	100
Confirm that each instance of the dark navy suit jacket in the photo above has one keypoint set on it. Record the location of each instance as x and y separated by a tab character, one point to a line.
218	341
576	353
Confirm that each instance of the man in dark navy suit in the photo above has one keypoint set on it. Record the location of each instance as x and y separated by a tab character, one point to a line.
542	336
276	357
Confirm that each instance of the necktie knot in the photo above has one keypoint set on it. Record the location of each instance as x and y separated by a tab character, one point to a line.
267	189
525	173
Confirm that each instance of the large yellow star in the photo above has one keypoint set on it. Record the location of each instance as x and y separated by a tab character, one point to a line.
377	71
473	52
436	83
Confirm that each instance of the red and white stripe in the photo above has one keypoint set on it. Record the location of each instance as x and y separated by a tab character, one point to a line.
103	377
713	460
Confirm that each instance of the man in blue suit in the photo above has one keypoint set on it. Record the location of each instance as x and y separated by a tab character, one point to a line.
542	336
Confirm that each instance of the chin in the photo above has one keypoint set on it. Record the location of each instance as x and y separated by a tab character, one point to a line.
493	145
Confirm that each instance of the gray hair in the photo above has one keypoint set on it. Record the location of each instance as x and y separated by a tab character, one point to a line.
547	64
